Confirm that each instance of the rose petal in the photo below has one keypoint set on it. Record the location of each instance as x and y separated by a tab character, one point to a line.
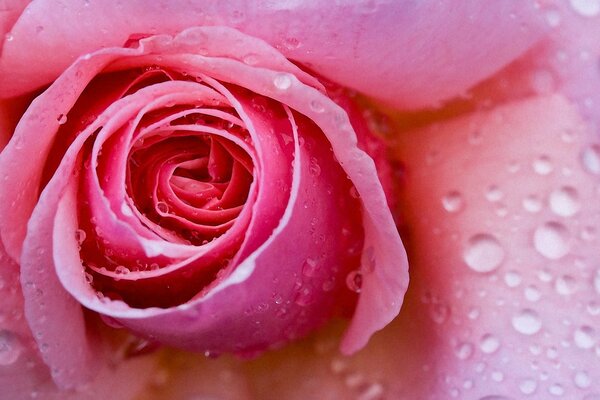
348	43
501	220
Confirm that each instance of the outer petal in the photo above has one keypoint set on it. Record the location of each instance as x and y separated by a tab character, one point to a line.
348	42
501	214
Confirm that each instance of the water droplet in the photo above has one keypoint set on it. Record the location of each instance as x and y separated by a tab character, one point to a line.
9	37
527	386
493	193
489	343
463	350
586	8
582	380
251	59
512	279
532	203
483	253
317	106
551	240
62	119
542	165
354	281
556	390
564	201
439	313
590	158
553	18
527	322
309	267
314	167
374	391
162	207
452	201
565	285
282	81
80	235
10	347
121	270
304	297
583	337
532	293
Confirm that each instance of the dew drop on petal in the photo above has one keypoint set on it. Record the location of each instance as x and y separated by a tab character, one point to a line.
551	240
586	8
483	253
512	279
564	201
62	119
354	281
489	343
463	350
80	236
532	203
556	389
452	201
309	267
527	386
282	81
10	347
583	337
527	322
582	380
565	285
590	158
542	165
532	293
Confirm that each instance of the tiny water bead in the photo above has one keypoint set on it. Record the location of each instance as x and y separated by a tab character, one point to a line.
582	380
354	281
532	203
528	386
542	165
551	240
10	347
590	158
61	119
483	253
452	201
564	201
527	322
463	351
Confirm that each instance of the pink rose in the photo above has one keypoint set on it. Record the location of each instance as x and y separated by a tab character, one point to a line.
196	127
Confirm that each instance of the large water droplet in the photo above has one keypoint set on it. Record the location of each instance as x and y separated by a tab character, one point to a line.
582	380
527	322
590	158
282	81
489	343
552	240
10	347
565	201
80	235
483	253
583	337
586	8
452	201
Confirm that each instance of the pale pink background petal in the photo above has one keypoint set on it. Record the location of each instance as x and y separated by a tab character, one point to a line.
408	54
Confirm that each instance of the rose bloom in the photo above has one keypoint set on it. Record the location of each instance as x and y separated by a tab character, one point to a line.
223	200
